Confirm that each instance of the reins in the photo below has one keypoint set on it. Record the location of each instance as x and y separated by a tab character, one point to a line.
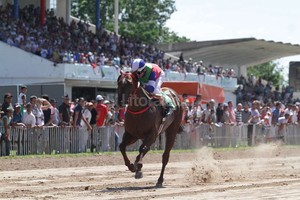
136	87
138	112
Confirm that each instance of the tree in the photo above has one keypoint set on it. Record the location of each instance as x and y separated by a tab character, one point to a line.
168	36
142	20
86	10
269	71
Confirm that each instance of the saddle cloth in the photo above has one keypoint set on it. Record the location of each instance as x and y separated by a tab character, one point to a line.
169	97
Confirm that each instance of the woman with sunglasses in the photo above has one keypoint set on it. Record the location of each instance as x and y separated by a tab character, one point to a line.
151	77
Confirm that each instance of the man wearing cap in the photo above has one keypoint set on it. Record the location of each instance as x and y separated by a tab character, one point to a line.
17	116
102	120
282	122
152	76
7	102
102	111
64	111
149	74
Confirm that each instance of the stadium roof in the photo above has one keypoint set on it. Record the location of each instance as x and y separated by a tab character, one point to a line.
232	52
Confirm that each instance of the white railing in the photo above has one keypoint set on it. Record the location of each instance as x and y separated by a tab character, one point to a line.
109	73
224	82
47	140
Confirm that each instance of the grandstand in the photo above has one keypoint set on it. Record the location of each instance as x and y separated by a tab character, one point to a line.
63	55
54	58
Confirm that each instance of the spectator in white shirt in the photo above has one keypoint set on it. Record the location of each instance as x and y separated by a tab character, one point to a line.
28	117
102	59
22	96
85	127
282	122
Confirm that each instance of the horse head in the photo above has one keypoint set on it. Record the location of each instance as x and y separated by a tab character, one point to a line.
127	85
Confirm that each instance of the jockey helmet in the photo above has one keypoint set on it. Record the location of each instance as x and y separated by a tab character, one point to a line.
138	65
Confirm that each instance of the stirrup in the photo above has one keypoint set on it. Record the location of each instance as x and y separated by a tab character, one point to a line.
168	111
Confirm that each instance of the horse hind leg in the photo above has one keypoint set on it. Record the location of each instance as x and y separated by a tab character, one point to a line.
127	140
170	135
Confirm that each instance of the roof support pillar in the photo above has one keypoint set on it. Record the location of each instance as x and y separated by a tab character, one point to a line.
97	15
43	12
16	9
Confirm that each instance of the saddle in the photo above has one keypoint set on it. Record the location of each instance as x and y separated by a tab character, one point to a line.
167	101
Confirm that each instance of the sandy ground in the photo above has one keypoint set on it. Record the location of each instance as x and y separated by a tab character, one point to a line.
263	172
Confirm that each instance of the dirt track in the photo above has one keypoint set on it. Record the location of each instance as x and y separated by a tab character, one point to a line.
264	172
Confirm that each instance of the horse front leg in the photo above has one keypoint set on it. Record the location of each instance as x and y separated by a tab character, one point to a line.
127	140
144	148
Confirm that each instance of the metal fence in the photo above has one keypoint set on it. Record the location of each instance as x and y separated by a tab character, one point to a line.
50	140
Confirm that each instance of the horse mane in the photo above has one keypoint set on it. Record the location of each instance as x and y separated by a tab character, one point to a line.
133	79
127	77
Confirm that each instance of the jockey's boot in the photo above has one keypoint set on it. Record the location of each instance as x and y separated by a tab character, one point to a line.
168	111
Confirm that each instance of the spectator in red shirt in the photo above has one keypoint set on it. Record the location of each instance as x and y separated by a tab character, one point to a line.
122	114
102	111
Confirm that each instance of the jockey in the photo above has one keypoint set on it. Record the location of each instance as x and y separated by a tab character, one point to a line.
151	77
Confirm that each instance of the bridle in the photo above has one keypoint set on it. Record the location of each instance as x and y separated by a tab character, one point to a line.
128	76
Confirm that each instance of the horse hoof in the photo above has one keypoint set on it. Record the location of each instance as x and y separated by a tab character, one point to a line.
159	185
139	166
138	175
132	168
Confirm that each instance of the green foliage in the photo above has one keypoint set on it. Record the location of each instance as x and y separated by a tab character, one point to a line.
269	71
82	8
168	36
143	20
146	32
86	10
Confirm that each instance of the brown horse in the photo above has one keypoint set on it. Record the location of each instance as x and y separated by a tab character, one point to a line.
144	119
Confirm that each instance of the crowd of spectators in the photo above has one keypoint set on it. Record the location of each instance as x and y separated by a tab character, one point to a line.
250	89
251	113
198	67
272	115
75	43
60	42
39	112
251	94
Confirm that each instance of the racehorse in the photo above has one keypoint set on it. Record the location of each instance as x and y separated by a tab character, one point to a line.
144	119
